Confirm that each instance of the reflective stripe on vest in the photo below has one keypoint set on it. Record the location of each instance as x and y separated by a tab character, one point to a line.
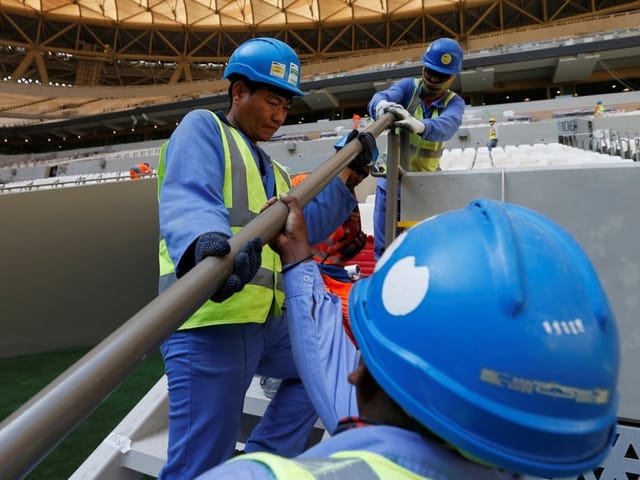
347	465
424	154
255	301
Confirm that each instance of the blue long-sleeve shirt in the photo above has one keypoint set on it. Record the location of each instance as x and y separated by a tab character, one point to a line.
439	129
324	356
191	198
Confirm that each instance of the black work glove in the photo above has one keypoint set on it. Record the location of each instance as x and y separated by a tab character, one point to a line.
211	244
245	265
361	164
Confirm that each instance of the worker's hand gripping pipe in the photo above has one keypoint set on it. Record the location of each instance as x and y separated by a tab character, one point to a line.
32	431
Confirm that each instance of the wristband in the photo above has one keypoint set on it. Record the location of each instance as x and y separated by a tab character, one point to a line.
292	265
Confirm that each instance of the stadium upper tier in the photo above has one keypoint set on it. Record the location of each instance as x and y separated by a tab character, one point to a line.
50	109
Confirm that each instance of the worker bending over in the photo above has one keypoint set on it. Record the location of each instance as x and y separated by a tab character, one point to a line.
469	344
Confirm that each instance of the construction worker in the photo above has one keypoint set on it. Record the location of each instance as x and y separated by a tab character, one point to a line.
333	254
140	170
214	179
441	387
428	109
493	134
598	110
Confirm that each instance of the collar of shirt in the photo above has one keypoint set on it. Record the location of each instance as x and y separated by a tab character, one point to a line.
438	102
335	271
349	423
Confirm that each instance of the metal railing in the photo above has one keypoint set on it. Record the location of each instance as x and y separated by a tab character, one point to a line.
69	181
32	431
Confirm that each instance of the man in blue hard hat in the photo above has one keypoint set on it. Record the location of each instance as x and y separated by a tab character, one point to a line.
470	332
213	178
428	109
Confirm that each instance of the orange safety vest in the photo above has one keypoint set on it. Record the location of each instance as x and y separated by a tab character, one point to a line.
139	170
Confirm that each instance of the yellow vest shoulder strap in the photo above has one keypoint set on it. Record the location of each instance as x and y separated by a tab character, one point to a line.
348	465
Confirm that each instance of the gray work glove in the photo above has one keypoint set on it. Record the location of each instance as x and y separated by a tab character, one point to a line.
383	105
245	264
406	121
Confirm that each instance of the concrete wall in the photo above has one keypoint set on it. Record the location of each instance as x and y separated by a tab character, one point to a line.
76	263
597	205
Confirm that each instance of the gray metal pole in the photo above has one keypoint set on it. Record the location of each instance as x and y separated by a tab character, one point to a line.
391	202
31	432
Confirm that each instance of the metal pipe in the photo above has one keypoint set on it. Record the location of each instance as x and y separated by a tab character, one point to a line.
391	202
32	431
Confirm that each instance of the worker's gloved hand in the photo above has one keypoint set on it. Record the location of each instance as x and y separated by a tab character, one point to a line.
406	121
362	163
354	246
245	265
382	107
211	244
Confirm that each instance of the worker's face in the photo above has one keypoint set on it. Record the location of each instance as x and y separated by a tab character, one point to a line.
258	114
434	82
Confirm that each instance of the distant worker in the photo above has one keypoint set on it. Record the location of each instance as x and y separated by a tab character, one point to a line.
356	120
440	387
140	170
598	110
428	109
493	135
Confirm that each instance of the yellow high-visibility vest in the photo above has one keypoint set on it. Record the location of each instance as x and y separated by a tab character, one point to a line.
244	196
347	465
425	155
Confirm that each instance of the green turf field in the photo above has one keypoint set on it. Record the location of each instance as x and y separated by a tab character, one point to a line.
22	377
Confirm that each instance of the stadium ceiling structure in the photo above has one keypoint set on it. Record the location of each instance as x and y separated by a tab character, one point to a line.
139	42
66	59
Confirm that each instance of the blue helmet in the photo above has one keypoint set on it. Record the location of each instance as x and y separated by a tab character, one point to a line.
490	327
267	60
444	55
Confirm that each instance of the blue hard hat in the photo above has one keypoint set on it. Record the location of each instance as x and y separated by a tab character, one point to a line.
444	55
490	327
267	60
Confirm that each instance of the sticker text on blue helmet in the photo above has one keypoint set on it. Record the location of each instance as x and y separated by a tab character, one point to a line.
293	74
529	386
277	69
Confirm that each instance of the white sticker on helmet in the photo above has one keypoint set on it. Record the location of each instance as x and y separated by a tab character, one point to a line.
405	286
293	74
277	69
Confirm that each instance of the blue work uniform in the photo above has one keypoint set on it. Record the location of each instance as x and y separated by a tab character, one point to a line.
325	356
438	128
209	368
